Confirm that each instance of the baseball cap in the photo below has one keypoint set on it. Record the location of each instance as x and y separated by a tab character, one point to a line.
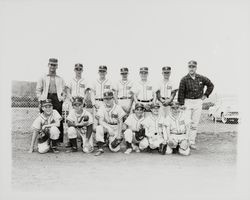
124	70
46	102
139	105
155	105
108	95
77	100
53	61
143	69
166	69
175	104
78	65
102	68
192	63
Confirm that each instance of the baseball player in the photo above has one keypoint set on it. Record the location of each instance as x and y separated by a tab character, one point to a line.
134	134
155	129
51	86
177	131
111	120
123	93
80	123
191	94
143	91
165	91
46	126
101	85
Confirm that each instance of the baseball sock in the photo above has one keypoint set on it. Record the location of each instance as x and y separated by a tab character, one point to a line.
129	145
53	143
73	143
99	145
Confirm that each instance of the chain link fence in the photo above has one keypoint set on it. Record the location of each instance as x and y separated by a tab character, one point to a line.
215	116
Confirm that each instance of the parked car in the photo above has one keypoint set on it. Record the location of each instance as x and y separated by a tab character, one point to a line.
225	111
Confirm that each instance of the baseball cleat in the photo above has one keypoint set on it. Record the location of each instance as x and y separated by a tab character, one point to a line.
99	152
71	150
128	151
192	146
54	150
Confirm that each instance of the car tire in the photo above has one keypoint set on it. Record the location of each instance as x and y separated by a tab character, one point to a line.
223	118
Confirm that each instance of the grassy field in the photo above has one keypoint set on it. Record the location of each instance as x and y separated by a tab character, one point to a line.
206	169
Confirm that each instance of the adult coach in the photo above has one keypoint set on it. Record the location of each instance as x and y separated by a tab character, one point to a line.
51	86
191	94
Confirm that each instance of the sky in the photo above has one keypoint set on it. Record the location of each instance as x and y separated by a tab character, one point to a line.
129	34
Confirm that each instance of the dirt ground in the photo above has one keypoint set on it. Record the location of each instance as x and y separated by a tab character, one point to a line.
209	171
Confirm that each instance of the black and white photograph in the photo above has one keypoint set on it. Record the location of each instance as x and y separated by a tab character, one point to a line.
124	99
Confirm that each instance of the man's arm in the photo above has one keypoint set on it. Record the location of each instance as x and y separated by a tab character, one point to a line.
34	136
39	88
210	86
181	92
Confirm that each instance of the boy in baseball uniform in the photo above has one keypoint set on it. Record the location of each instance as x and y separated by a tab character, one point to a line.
110	122
134	134
155	129
46	124
123	91
143	91
177	131
80	123
165	91
101	85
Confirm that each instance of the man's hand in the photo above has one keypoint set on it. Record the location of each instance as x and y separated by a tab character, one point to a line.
203	97
166	102
30	150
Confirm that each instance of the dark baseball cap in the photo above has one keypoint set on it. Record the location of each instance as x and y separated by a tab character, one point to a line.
192	63
124	70
78	65
102	68
139	105
46	102
53	61
77	100
108	95
143	69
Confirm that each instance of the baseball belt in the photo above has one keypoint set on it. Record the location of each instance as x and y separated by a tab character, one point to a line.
125	98
99	99
177	133
112	124
145	101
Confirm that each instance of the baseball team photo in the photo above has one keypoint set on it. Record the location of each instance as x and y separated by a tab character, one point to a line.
123	100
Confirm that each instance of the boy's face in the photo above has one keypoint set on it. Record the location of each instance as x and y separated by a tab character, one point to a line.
47	109
108	102
78	107
155	110
175	110
139	112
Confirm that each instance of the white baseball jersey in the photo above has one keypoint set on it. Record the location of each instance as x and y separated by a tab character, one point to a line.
177	125
123	88
111	115
143	90
100	87
78	87
133	122
43	120
76	118
153	125
166	87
